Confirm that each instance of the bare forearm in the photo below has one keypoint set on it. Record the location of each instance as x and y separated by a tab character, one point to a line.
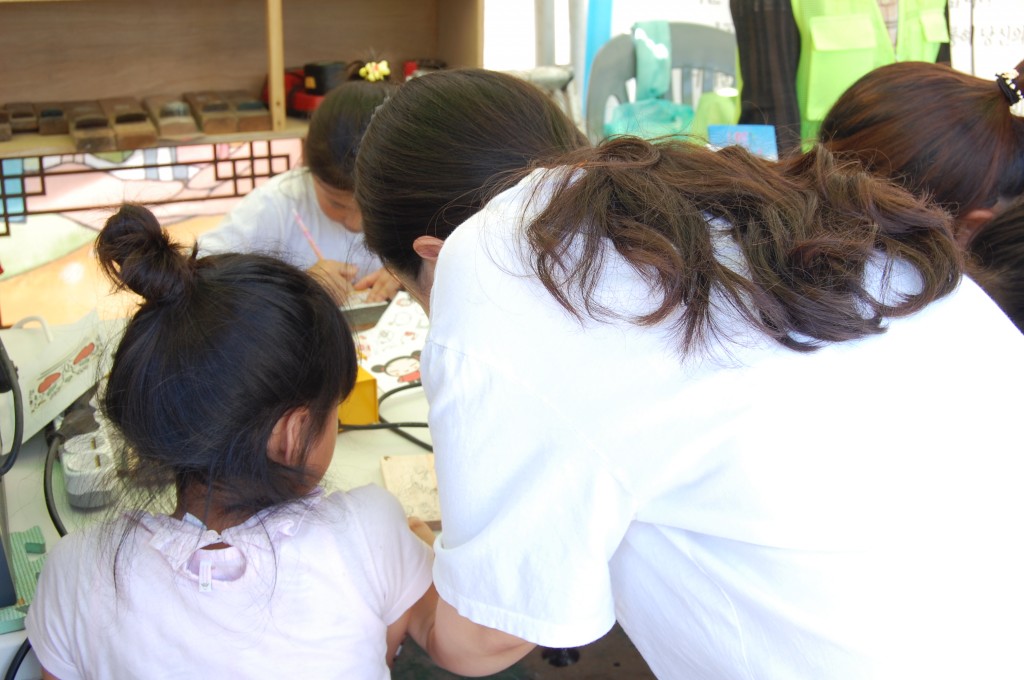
461	646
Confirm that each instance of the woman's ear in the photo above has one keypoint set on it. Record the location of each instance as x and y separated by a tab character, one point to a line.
427	247
285	445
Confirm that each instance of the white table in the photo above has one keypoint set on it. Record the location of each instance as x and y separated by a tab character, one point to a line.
357	456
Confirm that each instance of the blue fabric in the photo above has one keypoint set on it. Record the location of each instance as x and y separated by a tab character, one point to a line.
599	30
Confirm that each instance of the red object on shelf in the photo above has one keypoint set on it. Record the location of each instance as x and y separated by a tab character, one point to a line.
303	103
293	82
298	102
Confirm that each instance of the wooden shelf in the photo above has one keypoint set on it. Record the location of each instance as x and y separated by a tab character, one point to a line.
67	50
32	144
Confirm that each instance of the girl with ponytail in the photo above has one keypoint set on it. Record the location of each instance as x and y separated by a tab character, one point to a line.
941	133
720	400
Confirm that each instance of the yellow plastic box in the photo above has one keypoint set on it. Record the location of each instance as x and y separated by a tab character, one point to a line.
360	407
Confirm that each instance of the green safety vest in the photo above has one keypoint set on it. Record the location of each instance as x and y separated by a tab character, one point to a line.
841	40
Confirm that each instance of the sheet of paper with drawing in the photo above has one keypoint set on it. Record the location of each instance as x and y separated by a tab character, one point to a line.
390	350
413	481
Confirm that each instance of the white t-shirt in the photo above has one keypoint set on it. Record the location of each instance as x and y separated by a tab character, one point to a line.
307	592
763	513
264	222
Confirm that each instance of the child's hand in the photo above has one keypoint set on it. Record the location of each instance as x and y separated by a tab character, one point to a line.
382	285
421	529
336	277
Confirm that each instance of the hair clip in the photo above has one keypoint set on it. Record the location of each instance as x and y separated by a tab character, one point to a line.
375	70
1008	84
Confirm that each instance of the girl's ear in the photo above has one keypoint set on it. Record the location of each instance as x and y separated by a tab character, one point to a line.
285	445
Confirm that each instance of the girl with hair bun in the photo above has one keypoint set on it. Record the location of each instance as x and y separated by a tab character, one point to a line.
308	215
224	391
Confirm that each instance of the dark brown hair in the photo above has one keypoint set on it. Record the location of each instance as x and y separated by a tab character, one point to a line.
434	154
998	253
337	126
221	348
938	131
807	227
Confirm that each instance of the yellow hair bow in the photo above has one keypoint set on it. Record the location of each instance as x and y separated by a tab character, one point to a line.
375	70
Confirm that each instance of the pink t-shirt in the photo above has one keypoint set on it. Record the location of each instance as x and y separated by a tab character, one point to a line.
305	591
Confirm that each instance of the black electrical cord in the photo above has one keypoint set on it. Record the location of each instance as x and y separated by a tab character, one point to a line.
51	506
404	435
383	425
10	374
51	509
401	388
394	427
19	656
397	428
10	381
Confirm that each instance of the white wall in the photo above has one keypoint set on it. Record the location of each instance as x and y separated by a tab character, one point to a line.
509	42
510	31
986	36
711	12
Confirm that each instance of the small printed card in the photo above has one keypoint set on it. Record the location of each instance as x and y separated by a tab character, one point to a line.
757	139
413	481
390	350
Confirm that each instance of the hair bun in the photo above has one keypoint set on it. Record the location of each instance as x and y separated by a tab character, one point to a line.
136	253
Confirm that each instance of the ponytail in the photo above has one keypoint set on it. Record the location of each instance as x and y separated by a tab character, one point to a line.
807	228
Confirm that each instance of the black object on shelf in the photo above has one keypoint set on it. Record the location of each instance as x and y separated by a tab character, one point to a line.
323	76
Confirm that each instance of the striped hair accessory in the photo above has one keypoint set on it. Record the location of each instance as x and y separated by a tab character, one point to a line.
1008	84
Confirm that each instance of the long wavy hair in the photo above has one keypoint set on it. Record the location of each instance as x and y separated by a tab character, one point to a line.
807	226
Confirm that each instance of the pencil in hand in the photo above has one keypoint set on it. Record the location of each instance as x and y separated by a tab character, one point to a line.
309	236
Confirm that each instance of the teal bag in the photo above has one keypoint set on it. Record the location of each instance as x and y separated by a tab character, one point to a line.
651	115
649	118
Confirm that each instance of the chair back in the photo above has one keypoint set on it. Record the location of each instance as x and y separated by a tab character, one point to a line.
704	56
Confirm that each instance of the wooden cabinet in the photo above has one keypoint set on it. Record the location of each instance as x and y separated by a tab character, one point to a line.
65	50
